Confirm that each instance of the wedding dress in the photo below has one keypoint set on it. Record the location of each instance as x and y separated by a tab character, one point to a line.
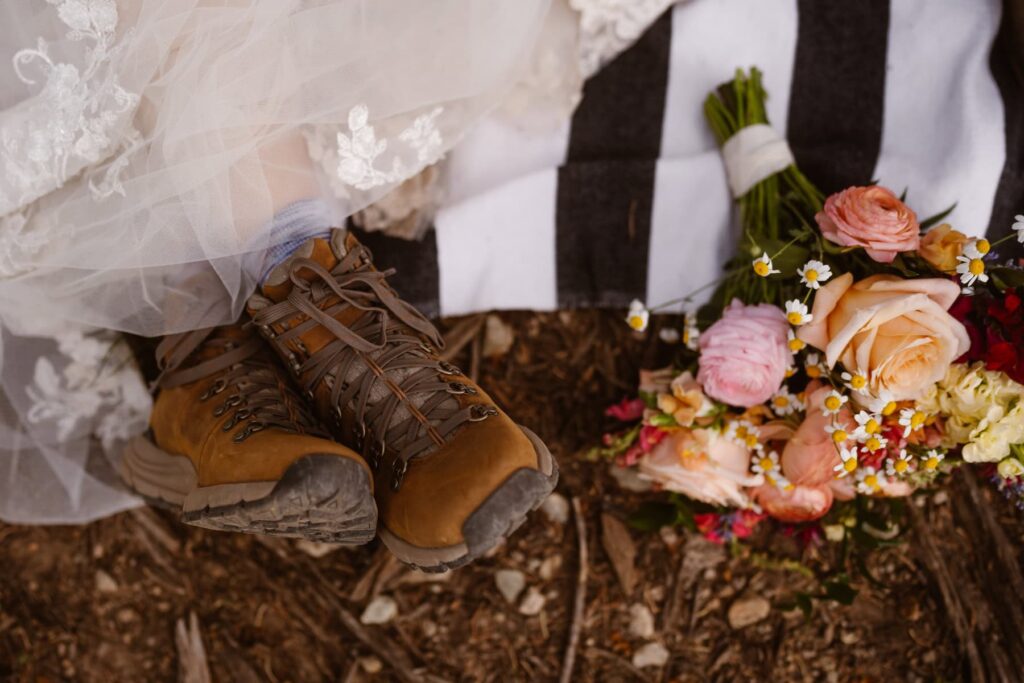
145	145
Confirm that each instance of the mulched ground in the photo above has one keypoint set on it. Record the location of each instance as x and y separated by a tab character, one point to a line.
101	602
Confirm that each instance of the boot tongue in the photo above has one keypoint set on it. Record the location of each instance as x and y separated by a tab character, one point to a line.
278	283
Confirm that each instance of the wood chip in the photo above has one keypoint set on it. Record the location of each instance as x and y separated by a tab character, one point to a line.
618	544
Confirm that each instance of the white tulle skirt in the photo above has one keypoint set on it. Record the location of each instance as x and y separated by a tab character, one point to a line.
145	145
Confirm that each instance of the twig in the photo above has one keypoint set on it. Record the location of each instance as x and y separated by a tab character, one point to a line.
581	593
192	665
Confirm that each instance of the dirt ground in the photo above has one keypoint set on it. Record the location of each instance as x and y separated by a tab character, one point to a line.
102	602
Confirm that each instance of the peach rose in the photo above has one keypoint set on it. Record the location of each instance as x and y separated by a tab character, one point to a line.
895	331
808	461
744	355
871	217
703	465
941	245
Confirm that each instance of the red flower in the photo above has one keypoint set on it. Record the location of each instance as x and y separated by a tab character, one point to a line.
626	410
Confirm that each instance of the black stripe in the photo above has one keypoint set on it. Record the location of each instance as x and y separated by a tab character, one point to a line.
838	93
1007	64
416	277
606	187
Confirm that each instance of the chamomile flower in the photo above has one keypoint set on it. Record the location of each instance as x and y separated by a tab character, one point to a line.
978	247
743	433
795	343
901	465
867	424
838	433
691	334
971	268
638	316
848	462
796	313
856	381
868	481
931	460
763	266
813	366
834	402
882	403
875	442
813	273
778	481
1018	227
785	403
766	463
912	420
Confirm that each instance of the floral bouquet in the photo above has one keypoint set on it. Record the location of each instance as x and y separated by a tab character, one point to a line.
851	353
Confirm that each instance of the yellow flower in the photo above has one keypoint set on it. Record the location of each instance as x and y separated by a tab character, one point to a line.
763	266
638	316
796	313
941	245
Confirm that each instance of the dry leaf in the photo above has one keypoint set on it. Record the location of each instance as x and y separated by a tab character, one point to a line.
621	550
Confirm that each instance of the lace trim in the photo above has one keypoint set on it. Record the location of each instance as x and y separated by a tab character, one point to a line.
99	389
607	27
78	118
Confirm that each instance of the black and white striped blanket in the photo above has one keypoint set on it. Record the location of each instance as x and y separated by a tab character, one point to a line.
630	199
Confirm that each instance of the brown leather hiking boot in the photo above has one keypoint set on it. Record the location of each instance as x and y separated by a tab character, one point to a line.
454	474
236	449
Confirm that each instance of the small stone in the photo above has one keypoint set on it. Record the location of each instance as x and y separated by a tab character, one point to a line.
628	479
498	337
747	611
105	582
669	537
126	615
549	567
314	549
511	583
641	622
849	637
556	508
651	654
371	665
533	603
381	610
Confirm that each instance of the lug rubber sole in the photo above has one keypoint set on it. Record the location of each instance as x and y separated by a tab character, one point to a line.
320	497
498	517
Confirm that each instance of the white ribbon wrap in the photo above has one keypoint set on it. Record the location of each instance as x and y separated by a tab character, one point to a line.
753	154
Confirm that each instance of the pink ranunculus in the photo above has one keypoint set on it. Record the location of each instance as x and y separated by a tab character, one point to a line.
871	217
703	465
743	356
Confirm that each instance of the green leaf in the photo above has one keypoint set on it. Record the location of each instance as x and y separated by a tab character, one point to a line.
663	420
1006	278
937	218
653	515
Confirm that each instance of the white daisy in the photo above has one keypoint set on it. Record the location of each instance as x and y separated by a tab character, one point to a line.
971	268
977	247
813	366
638	316
778	481
796	313
766	463
848	462
838	433
763	266
900	465
868	481
834	402
912	420
785	403
931	461
884	404
867	424
795	343
743	433
813	273
875	442
856	381
1018	227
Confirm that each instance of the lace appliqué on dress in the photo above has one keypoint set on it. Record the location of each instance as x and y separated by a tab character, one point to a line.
79	117
99	391
362	160
607	27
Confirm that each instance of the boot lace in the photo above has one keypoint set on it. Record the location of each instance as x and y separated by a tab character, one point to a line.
381	367
248	390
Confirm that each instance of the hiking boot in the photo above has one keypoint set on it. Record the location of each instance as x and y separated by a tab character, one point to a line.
234	448
454	475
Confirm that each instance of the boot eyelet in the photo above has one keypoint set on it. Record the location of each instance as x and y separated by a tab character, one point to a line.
480	412
250	429
376	454
457	388
214	389
231	402
398	469
360	436
267	331
446	368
